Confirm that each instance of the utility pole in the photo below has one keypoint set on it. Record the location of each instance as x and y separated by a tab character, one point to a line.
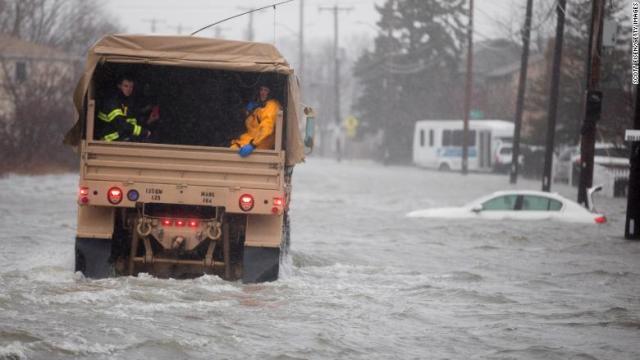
632	224
250	28
153	22
218	32
178	28
593	101
553	95
301	40
250	25
522	83
467	93
336	67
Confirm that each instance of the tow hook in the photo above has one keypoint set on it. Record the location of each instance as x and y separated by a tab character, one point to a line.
177	242
144	227
214	230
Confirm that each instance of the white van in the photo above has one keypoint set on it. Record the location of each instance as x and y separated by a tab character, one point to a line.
438	143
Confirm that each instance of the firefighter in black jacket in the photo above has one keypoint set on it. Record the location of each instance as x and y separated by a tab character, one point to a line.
117	119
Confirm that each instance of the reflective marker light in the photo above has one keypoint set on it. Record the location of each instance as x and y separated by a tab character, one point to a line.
114	195
133	195
179	222
193	223
278	201
246	202
166	222
601	220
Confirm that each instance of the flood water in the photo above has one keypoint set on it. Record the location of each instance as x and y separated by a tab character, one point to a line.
362	282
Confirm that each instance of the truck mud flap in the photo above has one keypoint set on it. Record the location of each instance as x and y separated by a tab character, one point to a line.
92	258
260	264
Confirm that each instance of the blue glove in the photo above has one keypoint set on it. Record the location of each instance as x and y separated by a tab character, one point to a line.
246	150
251	106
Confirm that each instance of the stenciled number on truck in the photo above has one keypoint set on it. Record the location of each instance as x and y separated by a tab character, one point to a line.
207	197
155	193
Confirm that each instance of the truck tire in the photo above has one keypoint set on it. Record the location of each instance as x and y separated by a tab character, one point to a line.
286	234
260	264
92	258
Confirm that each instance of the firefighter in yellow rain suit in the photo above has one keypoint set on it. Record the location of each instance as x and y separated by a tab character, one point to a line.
260	124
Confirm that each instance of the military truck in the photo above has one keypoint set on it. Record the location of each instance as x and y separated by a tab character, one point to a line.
182	203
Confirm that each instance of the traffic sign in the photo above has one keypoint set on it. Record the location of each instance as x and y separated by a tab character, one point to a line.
351	122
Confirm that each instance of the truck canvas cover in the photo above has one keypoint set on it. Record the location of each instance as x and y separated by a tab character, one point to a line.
194	52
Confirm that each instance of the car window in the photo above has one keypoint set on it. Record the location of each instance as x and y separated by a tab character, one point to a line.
612	152
540	203
505	151
566	156
506	202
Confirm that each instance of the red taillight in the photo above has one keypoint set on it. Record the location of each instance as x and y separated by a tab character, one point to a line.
246	202
114	195
193	223
83	194
278	201
180	222
166	222
600	219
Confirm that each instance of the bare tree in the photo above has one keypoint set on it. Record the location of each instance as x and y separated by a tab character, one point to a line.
70	25
41	111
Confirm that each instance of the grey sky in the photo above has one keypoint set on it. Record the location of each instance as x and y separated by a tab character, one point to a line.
136	17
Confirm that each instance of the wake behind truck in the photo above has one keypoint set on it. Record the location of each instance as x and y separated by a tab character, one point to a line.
182	203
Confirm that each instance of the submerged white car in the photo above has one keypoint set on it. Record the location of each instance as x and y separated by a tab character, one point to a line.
519	205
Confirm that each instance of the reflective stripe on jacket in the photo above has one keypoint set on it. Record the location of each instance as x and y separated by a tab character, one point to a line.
114	123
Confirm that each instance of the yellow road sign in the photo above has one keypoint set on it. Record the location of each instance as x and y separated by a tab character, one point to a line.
351	122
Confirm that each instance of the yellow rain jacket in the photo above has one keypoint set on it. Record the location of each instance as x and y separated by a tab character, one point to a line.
261	125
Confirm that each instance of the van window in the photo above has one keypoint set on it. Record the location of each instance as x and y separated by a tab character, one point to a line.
431	138
446	138
421	138
458	135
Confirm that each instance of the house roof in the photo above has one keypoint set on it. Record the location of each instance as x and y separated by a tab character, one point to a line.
14	48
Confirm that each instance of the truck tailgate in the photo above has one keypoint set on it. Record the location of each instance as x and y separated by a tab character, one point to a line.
174	164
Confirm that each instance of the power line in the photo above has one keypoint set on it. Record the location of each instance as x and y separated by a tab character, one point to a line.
242	14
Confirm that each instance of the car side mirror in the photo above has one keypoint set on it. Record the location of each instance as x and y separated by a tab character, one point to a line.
310	128
476	208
